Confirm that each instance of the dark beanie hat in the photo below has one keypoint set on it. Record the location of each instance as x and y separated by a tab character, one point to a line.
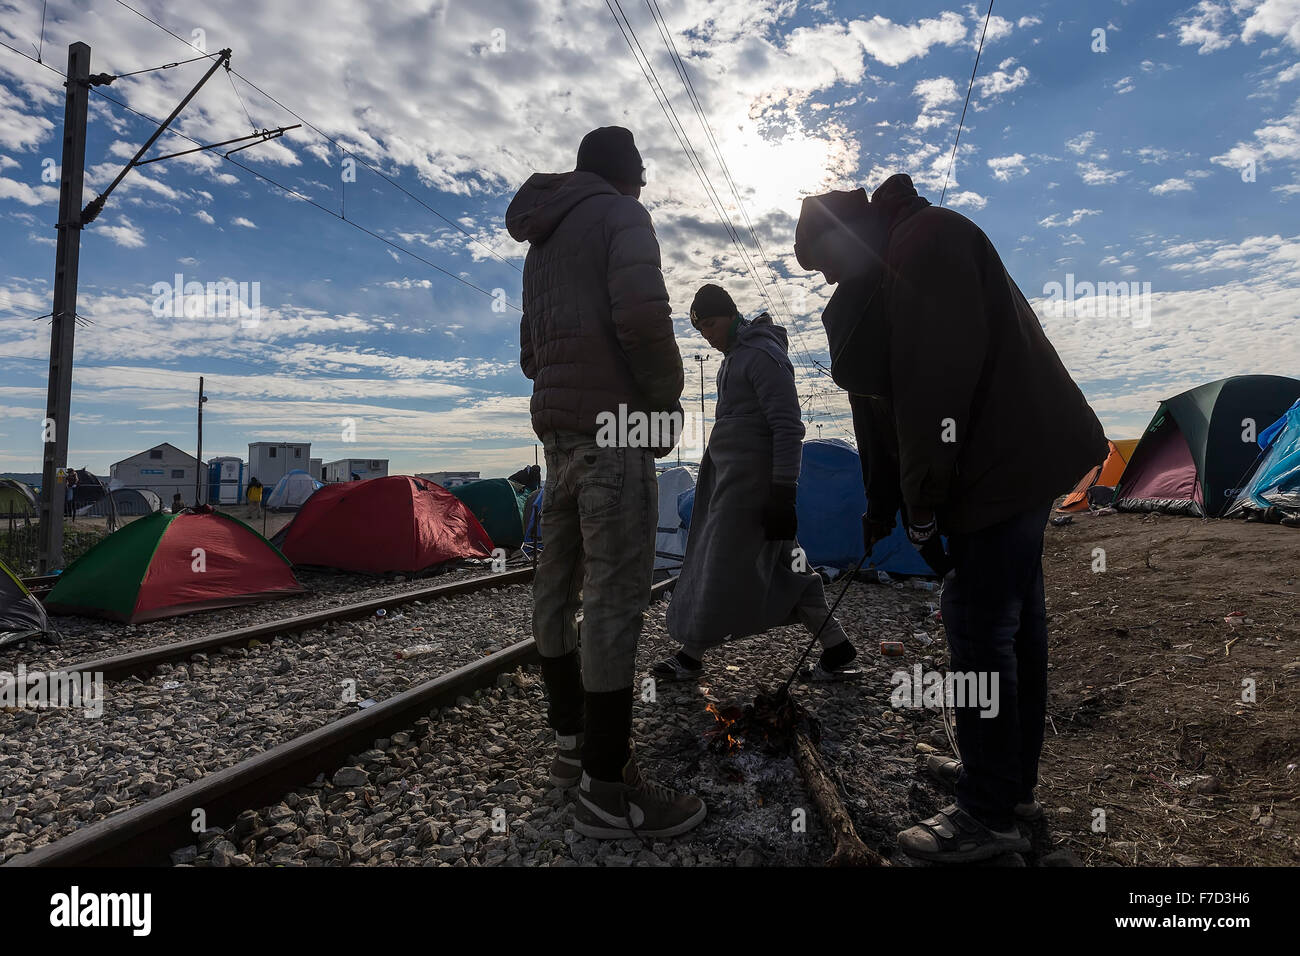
712	301
611	153
820	214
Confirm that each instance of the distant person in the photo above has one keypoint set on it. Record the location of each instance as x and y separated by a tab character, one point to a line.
70	493
254	494
738	577
177	504
597	338
974	422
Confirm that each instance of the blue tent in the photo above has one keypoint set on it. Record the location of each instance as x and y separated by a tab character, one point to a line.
1276	480
830	507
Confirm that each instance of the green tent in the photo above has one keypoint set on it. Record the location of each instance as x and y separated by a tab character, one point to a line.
498	503
21	615
162	565
16	499
1200	447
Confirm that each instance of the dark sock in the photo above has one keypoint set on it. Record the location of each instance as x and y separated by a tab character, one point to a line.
689	662
563	676
839	655
609	725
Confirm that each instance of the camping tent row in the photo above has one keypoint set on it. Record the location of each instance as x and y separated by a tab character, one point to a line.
1224	449
164	564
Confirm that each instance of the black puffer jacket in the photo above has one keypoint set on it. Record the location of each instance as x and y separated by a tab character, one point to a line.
596	331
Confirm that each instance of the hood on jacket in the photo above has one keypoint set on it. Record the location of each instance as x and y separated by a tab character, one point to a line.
546	198
760	333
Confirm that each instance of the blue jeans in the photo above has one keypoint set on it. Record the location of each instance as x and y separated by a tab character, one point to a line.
599	519
994	614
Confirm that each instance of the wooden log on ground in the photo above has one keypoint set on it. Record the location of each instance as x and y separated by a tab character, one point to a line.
849	849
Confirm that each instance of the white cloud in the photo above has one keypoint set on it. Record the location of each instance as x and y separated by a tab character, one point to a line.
1204	28
895	43
241	221
1081	143
1125	85
1172	186
1096	175
1055	222
204	216
1006	168
1275	18
968	200
1028	22
124	233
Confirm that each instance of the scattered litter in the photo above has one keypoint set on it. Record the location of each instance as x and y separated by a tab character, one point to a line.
1062	520
884	578
381	613
892	648
418	650
171	684
368	702
922	638
1236	619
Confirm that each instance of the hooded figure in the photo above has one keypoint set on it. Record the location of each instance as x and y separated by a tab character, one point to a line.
738	577
972	423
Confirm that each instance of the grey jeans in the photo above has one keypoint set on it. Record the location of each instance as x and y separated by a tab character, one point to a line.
600	513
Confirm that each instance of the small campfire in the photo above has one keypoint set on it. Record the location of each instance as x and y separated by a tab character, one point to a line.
770	723
777	724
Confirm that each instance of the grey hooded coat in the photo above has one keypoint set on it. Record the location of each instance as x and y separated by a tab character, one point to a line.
734	582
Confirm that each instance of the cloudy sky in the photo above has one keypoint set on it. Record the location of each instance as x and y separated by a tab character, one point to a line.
1150	143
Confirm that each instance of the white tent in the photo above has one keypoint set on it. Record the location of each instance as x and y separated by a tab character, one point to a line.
292	491
670	542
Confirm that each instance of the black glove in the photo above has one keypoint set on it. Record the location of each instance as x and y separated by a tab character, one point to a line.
780	522
874	530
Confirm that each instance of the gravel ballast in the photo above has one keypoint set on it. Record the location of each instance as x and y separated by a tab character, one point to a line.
467	785
61	770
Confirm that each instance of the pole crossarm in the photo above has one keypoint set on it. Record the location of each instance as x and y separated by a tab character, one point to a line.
96	205
262	136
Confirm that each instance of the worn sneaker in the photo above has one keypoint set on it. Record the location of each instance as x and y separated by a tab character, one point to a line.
678	667
635	807
566	767
834	664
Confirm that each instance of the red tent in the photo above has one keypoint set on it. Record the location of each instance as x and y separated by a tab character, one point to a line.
397	523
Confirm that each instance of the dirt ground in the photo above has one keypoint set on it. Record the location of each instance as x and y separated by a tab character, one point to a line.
1147	716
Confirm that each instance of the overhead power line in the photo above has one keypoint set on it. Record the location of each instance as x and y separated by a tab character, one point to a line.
334	142
970	87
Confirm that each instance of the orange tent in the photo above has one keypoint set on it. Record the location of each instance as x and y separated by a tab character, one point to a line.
1107	475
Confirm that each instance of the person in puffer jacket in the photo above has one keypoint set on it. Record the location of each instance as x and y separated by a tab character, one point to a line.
596	338
741	575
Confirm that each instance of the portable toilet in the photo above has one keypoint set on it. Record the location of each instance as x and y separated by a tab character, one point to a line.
225	481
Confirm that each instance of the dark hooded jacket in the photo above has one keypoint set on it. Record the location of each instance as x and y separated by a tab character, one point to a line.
988	421
596	331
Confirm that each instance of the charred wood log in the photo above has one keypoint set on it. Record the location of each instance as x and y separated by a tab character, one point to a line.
849	849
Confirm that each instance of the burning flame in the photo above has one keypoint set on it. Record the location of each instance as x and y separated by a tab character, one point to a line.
722	729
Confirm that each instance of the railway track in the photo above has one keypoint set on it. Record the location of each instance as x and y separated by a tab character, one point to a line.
146	834
119	666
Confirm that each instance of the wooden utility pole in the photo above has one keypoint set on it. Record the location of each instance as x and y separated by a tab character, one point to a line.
63	321
198	471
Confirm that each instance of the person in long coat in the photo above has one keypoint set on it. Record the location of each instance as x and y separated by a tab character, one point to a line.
743	572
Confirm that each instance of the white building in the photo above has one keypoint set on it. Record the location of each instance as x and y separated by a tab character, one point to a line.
269	461
317	469
164	470
449	479
363	468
